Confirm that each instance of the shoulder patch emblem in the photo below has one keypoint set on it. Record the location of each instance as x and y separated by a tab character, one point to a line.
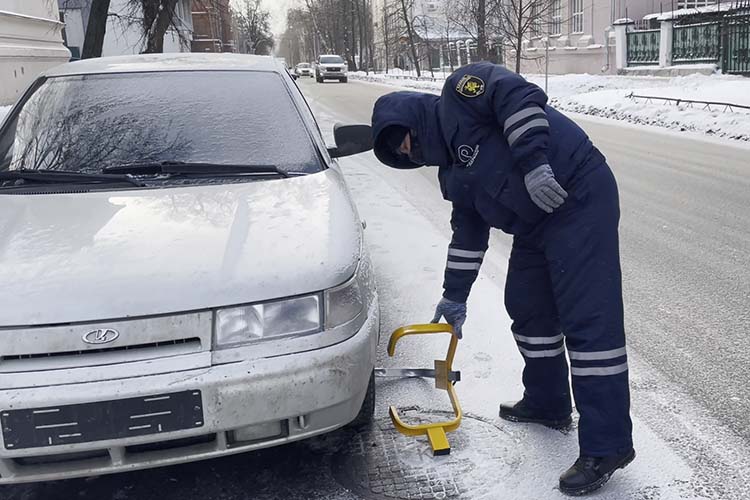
470	86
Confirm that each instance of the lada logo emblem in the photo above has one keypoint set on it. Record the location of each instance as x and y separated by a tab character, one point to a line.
101	336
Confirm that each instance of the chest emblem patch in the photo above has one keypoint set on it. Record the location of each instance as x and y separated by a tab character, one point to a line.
467	155
470	86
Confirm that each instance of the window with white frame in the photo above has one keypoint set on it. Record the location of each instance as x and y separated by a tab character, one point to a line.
576	9
556	17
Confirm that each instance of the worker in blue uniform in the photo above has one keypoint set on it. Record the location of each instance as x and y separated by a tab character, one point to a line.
510	161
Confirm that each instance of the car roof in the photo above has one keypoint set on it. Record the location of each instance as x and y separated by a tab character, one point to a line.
329	55
184	61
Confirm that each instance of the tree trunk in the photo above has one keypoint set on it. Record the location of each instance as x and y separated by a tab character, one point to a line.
95	29
360	35
410	34
352	42
482	30
519	36
157	17
386	39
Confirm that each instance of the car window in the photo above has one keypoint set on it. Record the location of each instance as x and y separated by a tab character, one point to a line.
331	60
88	123
303	65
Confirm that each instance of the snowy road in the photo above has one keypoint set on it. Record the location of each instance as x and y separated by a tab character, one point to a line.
684	242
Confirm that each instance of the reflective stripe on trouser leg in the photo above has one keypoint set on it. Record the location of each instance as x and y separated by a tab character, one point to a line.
581	245
536	330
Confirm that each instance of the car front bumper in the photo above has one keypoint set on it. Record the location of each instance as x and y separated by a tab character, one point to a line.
246	406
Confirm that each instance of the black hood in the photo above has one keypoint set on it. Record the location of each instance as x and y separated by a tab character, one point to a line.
416	111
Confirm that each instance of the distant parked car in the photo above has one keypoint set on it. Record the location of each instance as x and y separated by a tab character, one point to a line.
183	269
331	67
303	69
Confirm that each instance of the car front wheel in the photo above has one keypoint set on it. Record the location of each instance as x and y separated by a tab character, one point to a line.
344	80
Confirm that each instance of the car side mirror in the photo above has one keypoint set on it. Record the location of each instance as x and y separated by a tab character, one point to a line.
351	140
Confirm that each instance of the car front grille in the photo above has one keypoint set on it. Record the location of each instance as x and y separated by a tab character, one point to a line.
101	356
196	342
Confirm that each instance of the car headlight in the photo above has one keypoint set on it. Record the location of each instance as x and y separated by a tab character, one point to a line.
345	302
296	316
253	323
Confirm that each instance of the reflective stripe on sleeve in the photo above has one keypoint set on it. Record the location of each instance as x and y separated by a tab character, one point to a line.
538	340
599	371
597	355
464	266
466	254
538	123
549	353
520	115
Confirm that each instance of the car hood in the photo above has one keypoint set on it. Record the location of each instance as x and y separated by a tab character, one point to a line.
103	255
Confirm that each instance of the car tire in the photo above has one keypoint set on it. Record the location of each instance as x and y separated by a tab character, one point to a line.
344	80
367	411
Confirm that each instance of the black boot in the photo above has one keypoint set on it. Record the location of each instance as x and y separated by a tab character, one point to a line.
590	473
520	412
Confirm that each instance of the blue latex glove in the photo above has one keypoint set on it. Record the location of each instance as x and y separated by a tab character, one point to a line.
453	312
543	188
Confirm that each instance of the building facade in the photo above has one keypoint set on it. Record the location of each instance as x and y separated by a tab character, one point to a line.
577	36
212	27
565	36
440	43
123	33
30	42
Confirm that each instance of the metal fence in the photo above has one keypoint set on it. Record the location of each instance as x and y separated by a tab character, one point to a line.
696	43
643	47
721	37
736	44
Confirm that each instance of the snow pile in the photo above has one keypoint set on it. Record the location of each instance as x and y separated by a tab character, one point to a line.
402	79
609	99
607	96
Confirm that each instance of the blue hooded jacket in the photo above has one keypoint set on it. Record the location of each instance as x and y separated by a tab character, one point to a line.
488	129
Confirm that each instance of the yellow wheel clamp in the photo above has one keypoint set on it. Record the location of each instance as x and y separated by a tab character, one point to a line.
445	378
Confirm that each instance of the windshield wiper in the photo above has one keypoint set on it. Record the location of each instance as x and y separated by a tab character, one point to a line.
64	177
189	168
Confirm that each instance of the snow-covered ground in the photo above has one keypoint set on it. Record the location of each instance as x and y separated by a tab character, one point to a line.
607	96
3	111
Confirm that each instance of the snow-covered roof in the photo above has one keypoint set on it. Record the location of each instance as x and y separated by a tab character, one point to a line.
708	9
167	62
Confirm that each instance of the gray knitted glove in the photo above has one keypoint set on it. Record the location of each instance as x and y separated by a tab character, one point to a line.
453	312
544	190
